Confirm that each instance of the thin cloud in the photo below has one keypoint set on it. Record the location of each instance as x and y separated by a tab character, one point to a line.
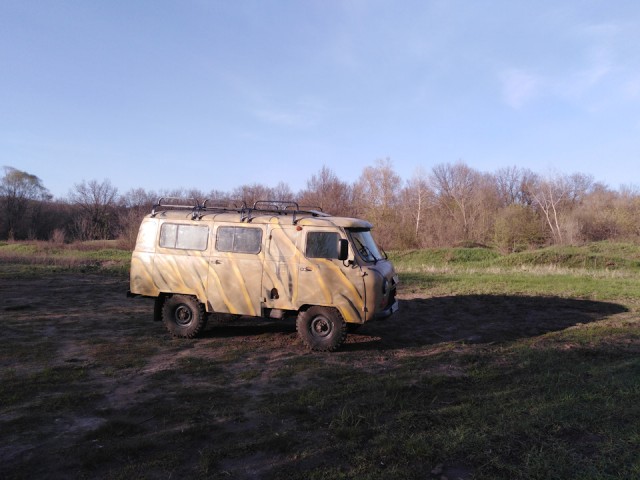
280	117
519	87
303	114
577	84
594	73
632	88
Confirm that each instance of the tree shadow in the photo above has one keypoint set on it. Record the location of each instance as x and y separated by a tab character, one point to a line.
477	319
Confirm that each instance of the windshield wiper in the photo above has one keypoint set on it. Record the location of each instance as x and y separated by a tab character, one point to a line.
364	251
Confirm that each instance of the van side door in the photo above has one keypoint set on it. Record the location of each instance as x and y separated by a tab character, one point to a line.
280	277
235	270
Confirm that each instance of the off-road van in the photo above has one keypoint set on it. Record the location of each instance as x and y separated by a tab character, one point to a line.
273	260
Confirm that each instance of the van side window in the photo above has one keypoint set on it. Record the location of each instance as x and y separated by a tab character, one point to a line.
239	239
184	237
322	245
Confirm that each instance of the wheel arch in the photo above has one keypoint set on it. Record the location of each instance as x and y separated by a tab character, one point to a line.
158	304
344	312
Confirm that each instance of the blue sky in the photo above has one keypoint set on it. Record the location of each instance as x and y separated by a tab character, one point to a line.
217	94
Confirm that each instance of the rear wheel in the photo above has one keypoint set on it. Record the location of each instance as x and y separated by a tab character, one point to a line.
321	328
184	316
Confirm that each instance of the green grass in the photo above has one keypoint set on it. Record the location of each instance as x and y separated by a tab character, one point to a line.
537	413
439	257
601	255
523	283
601	271
607	256
41	388
41	258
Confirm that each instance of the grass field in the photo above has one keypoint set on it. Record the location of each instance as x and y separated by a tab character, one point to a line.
601	271
497	367
42	258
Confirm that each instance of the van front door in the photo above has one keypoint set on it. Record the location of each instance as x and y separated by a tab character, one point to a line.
235	270
326	280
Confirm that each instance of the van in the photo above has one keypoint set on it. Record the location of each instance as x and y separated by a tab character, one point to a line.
273	260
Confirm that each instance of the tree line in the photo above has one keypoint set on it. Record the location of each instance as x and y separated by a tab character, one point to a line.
451	204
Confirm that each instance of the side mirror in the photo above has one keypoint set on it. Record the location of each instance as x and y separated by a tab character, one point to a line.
343	249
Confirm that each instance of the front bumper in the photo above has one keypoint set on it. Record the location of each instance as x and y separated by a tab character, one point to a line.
387	312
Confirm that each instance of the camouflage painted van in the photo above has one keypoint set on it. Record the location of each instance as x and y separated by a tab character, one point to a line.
273	260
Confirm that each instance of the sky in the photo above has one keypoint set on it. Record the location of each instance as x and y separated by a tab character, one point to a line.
212	95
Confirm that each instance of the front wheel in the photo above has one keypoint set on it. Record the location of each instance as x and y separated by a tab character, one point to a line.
321	328
184	316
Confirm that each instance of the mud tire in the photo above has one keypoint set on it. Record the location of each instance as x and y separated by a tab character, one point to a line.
184	316
321	329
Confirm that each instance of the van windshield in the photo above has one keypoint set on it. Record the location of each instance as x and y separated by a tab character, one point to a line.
365	245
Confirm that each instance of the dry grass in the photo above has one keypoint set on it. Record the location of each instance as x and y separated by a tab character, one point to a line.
41	257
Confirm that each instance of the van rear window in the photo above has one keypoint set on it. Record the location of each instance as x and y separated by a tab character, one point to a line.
239	239
184	237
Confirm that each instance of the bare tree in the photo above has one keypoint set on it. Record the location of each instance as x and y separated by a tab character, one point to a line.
196	194
134	205
139	198
96	204
252	193
513	185
327	192
556	197
457	188
605	214
20	194
416	199
548	195
217	196
282	192
377	193
379	184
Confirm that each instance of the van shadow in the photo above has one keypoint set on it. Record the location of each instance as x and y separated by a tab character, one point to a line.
477	319
471	319
229	326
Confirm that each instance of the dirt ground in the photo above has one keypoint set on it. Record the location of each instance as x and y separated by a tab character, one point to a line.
97	371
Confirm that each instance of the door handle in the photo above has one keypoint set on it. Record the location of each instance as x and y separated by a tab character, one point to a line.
306	269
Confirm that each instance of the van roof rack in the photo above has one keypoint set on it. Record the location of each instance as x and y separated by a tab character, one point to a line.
280	207
176	203
277	207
